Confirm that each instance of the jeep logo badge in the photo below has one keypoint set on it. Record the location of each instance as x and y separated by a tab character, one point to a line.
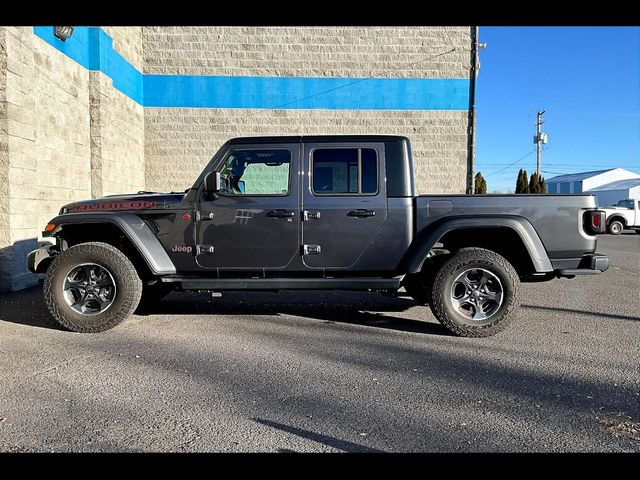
182	249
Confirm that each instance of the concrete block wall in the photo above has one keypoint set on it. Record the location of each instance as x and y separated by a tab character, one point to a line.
309	51
47	104
117	124
51	147
5	234
117	136
128	42
180	141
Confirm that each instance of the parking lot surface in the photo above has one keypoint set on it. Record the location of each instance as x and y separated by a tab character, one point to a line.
331	371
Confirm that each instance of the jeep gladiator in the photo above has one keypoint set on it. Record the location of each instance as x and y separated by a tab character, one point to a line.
314	212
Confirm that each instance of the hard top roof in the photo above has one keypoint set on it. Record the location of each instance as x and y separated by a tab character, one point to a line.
317	139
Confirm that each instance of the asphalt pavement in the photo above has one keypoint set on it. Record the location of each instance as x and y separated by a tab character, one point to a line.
331	371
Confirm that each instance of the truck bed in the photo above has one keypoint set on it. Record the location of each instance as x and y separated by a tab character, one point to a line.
557	219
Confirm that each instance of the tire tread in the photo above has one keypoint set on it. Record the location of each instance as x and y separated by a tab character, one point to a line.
112	256
468	256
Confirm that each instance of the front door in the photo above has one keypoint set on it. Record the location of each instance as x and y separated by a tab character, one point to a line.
344	203
253	223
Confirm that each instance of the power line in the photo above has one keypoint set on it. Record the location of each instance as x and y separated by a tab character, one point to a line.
511	164
360	80
566	165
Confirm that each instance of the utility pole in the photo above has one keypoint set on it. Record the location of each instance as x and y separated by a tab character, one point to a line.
539	139
471	142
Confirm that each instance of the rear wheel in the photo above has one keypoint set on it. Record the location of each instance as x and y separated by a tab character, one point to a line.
475	293
91	287
616	227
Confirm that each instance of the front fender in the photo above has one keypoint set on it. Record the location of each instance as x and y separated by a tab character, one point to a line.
133	227
38	260
426	240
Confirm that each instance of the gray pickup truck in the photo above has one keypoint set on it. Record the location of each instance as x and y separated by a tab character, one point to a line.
314	212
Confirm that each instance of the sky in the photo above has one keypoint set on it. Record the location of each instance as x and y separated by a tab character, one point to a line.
588	81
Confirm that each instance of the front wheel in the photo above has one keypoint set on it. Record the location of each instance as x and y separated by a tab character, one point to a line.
91	287
475	293
616	227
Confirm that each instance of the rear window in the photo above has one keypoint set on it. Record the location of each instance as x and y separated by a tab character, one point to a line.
344	171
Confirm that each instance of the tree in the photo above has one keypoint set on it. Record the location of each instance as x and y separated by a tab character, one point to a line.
543	185
479	184
522	183
534	183
525	182
519	182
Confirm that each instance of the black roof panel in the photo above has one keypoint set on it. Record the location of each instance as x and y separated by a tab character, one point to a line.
317	139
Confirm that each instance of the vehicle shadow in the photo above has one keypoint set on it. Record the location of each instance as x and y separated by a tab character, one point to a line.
26	307
355	308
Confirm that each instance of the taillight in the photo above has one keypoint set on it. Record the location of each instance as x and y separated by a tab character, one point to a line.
595	222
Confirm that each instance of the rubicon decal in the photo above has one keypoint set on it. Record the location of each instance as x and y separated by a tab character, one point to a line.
118	205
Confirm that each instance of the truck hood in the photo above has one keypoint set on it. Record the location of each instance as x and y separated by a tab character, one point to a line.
136	201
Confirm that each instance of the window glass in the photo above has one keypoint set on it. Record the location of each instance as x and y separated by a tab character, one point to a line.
369	171
338	171
255	172
625	204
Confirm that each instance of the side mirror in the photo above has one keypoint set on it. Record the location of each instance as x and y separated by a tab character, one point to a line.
212	183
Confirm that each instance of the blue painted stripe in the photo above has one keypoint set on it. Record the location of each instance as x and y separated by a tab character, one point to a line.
92	48
77	47
307	93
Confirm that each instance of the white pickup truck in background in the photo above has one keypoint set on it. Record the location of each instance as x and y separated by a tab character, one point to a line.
625	214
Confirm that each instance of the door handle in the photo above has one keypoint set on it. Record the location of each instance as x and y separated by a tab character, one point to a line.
362	213
202	216
280	214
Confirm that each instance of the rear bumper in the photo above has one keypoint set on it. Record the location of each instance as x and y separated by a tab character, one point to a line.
590	264
38	260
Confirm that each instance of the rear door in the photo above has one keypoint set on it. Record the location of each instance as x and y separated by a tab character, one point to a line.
344	202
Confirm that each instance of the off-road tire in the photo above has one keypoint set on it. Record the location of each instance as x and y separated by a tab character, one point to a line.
127	281
615	227
442	305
